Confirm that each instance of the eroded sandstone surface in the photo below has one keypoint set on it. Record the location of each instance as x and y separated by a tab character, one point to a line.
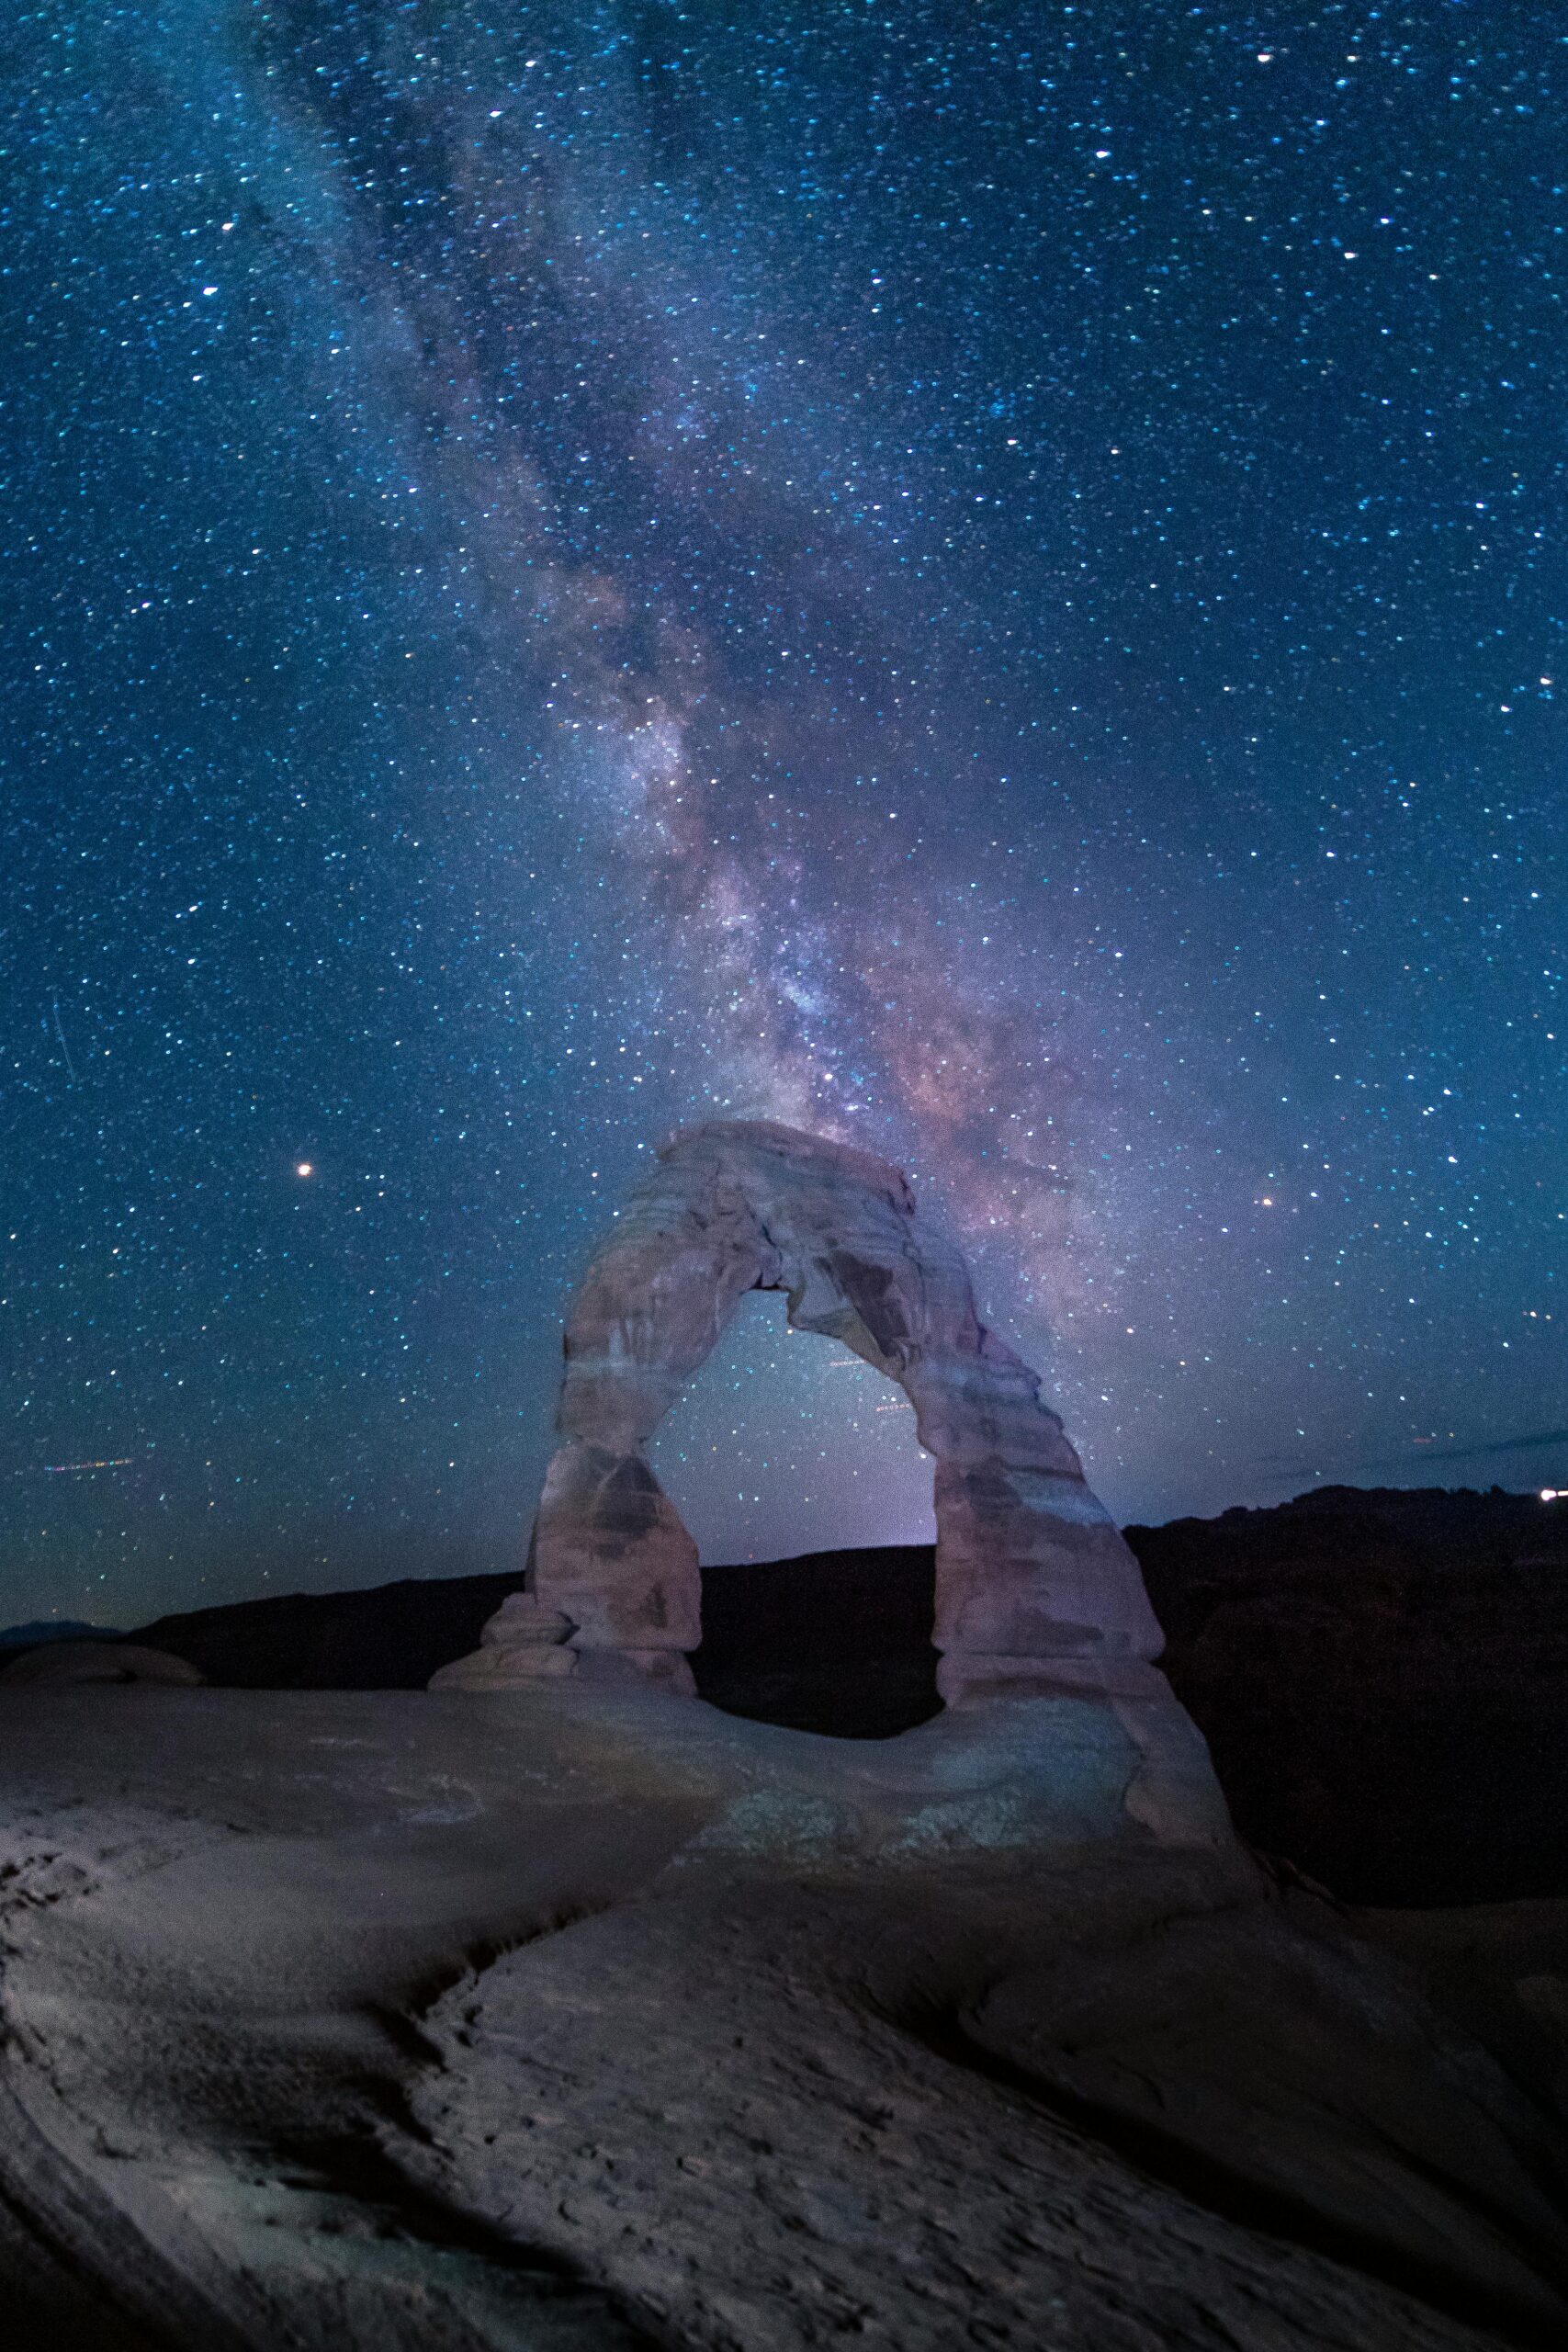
584	2016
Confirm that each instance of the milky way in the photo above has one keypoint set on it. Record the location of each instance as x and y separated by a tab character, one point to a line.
985	579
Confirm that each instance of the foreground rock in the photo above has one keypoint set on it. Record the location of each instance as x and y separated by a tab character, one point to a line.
596	2019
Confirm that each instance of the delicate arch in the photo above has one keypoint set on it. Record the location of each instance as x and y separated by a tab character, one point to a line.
1036	1589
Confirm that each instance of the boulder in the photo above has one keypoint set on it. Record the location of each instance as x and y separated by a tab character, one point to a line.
522	1643
57	1663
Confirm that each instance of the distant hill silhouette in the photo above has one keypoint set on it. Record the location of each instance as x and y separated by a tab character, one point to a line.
54	1629
833	1642
1382	1675
387	1637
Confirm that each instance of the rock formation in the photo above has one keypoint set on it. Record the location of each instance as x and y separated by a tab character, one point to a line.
1036	1593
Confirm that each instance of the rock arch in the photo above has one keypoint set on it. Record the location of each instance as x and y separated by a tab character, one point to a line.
1036	1592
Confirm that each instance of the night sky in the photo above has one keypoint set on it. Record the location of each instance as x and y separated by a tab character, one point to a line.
985	579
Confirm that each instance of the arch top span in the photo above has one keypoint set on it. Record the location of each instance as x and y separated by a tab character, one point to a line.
1036	1592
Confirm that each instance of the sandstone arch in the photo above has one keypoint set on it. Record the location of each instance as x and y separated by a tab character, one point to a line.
1036	1593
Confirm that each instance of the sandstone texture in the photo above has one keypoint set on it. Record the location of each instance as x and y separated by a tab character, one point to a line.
1035	1591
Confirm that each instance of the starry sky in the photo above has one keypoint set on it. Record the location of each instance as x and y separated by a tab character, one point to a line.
985	579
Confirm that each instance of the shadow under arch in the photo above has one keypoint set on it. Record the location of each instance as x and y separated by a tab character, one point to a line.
1035	1591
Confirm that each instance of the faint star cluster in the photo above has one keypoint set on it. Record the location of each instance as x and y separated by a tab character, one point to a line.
988	580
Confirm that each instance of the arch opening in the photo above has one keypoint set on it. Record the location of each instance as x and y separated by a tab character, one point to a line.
797	1471
783	1442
